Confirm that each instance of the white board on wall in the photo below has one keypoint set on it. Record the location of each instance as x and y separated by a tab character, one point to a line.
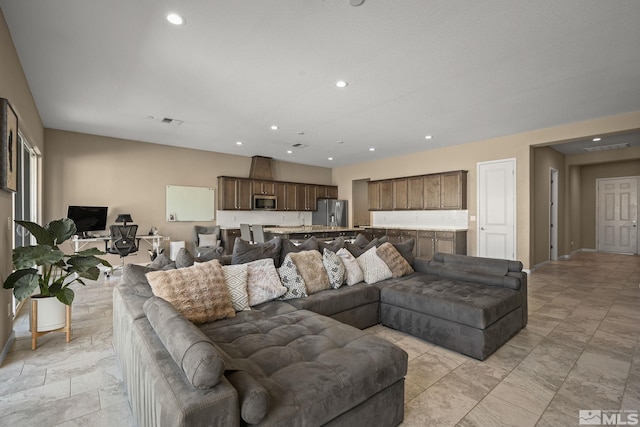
190	203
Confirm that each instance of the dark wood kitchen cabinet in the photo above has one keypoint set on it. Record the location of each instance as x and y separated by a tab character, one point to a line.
234	193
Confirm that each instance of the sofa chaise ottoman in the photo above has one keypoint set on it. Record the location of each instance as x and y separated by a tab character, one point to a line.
467	304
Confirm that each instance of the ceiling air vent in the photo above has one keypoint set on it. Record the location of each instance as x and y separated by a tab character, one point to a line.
299	145
607	147
171	121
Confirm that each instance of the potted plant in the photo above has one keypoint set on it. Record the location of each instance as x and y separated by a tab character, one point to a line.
46	267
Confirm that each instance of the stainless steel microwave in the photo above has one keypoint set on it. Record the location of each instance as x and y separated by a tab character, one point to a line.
264	203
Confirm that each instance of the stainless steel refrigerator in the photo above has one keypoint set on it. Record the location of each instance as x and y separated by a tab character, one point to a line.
331	212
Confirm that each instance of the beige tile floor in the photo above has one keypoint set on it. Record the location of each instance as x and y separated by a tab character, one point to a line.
580	350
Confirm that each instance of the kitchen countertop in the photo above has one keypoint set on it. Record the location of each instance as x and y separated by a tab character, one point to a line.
426	228
308	229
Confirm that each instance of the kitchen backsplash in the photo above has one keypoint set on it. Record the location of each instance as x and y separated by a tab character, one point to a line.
233	219
454	219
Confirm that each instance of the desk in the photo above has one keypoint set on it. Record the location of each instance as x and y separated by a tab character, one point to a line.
155	241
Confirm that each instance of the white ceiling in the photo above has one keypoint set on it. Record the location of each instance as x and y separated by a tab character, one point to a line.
460	70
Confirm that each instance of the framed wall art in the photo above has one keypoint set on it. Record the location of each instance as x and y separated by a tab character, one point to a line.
9	146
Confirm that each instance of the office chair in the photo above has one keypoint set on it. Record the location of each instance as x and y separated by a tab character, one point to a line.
123	241
258	233
245	232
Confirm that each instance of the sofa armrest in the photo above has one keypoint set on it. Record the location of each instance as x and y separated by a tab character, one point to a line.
159	391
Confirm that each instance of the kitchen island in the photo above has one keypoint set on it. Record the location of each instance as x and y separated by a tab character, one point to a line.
322	232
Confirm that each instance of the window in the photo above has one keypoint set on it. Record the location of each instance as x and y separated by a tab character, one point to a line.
26	197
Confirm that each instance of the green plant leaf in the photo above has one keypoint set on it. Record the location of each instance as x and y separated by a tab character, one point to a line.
29	256
90	251
61	230
77	260
66	296
55	287
41	234
87	271
23	282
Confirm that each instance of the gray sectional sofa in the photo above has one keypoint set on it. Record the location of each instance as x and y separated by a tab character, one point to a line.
307	361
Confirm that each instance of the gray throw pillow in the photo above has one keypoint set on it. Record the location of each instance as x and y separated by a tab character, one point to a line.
361	240
161	261
288	247
184	258
134	276
244	251
333	246
356	250
406	249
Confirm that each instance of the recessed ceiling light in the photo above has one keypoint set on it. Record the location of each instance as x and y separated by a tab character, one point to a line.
372	149
597	139
428	137
274	127
341	84
289	151
176	19
340	142
238	142
330	158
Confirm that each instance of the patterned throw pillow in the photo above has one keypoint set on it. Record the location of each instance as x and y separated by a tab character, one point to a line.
394	260
199	292
353	272
311	268
291	280
236	278
335	268
263	282
373	268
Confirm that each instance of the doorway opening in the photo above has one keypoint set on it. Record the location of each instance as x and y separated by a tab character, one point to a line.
553	214
360	197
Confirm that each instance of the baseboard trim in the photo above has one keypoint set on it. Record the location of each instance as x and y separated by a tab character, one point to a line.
7	346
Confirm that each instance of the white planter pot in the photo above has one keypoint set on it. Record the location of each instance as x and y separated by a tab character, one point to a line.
52	314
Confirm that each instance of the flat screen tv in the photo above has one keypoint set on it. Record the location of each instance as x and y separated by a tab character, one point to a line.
88	218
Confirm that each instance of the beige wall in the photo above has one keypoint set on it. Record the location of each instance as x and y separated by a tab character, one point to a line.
573	218
580	216
588	176
467	156
131	177
14	87
545	158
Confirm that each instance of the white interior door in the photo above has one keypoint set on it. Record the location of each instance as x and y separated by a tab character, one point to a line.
617	219
497	209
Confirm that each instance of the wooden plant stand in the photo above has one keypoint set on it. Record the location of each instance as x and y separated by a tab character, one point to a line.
34	324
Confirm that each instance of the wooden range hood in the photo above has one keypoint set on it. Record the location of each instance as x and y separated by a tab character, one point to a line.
261	168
